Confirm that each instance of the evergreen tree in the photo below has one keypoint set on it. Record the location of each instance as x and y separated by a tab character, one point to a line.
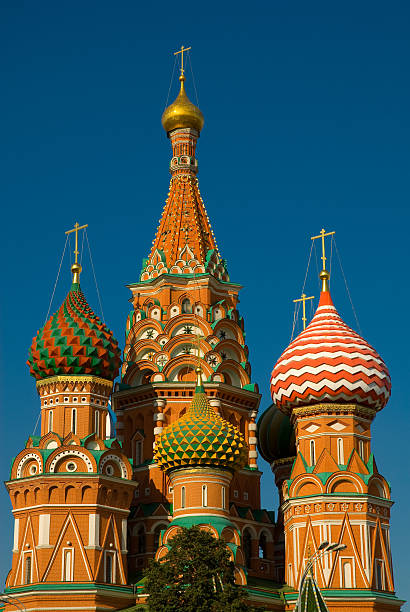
195	576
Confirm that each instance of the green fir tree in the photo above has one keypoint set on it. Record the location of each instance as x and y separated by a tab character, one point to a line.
195	576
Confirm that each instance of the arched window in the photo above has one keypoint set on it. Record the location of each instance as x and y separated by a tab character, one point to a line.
186	306
262	546
141	541
247	547
312	453
204	496
109	567
183	497
50	420
27	568
97	422
157	534
74	420
340	453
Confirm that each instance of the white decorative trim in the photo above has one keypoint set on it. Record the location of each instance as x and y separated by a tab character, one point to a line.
24	461
69	453
116	460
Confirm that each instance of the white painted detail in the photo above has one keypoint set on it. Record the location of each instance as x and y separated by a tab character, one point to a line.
123	534
93	530
159	416
253	440
312	428
253	454
338	426
44	530
252	427
16	534
157	431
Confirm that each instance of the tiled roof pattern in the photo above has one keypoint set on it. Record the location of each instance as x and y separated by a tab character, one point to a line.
201	437
74	341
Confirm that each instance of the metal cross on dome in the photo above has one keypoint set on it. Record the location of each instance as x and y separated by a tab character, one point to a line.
182	51
303	299
322	235
76	229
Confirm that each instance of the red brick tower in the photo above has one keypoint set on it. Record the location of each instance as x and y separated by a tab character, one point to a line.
332	383
185	308
71	487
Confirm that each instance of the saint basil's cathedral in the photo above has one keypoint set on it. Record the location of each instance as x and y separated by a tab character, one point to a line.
90	509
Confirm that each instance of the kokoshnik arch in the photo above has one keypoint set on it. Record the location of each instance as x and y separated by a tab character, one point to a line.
91	510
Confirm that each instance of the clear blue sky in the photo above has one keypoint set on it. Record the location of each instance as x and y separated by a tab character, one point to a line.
306	126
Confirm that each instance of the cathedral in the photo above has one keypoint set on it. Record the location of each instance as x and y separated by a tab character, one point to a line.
92	506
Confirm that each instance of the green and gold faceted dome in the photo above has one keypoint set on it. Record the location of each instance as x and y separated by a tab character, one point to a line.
74	341
201	437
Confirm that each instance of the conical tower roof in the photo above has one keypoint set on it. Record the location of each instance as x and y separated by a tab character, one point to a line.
329	362
201	437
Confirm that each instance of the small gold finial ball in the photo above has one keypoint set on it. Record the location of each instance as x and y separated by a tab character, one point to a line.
76	268
324	275
198	370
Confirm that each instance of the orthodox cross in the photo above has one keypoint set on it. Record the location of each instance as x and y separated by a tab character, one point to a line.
76	229
303	300
182	51
322	235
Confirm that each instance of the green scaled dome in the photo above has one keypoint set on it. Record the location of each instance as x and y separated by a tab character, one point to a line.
74	341
276	436
201	437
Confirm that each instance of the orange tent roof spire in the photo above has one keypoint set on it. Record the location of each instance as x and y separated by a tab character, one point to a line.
184	242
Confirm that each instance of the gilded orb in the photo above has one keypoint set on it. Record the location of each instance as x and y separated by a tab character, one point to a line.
182	113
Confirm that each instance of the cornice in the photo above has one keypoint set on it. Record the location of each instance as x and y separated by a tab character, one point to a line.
75	378
333	408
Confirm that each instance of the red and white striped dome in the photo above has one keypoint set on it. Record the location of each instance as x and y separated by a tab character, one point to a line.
329	362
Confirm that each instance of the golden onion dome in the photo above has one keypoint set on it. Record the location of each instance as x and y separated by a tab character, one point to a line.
182	113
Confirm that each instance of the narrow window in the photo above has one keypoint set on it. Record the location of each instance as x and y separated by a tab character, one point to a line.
50	420
247	547
361	449
347	575
186	306
312	452
109	567
138	452
27	569
74	420
223	498
380	580
68	565
340	454
204	496
141	540
262	546
97	422
182	497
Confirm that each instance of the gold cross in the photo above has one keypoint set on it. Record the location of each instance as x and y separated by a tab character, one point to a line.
182	51
303	300
76	229
322	235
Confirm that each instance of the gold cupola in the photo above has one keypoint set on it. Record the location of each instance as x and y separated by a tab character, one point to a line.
182	113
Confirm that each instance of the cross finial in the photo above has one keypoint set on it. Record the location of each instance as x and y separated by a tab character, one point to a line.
182	51
322	235
303	299
76	268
